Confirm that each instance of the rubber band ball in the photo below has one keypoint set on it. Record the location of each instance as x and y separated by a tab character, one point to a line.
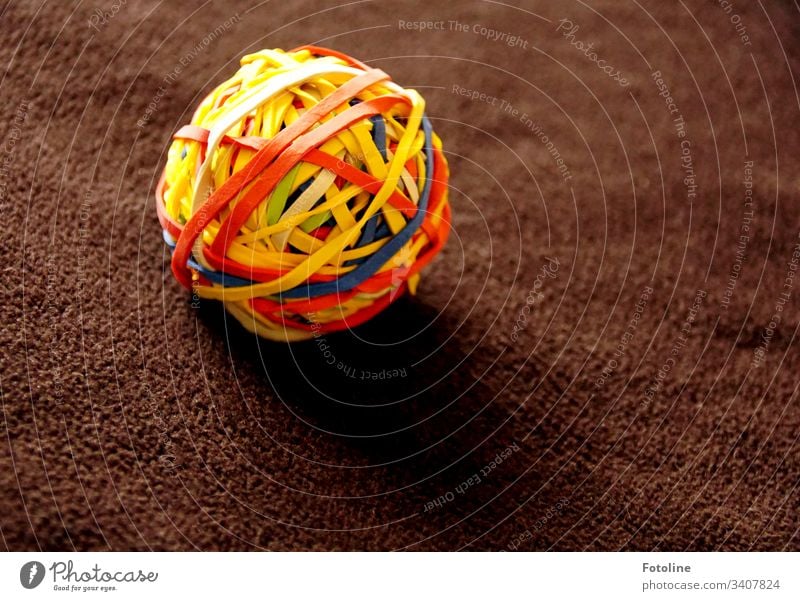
306	194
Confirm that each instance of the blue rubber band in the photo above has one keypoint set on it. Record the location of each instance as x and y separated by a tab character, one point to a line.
376	261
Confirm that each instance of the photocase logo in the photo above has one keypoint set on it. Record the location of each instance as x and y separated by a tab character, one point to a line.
31	574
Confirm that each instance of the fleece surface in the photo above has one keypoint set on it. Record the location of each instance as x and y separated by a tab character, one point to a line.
603	357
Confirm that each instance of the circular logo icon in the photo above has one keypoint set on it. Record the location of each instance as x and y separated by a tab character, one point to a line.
31	574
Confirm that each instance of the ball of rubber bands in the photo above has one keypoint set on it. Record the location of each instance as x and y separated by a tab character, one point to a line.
306	194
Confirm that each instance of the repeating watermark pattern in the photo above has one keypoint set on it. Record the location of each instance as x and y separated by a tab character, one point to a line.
182	63
760	352
53	311
10	144
507	108
101	18
537	131
493	35
568	29
679	123
194	299
630	330
347	369
744	236
736	21
84	212
535	295
654	387
553	512
167	458
474	480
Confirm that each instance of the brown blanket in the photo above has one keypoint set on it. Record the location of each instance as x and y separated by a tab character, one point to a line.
603	357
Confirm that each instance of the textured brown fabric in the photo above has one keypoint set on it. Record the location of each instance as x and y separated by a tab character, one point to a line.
525	402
